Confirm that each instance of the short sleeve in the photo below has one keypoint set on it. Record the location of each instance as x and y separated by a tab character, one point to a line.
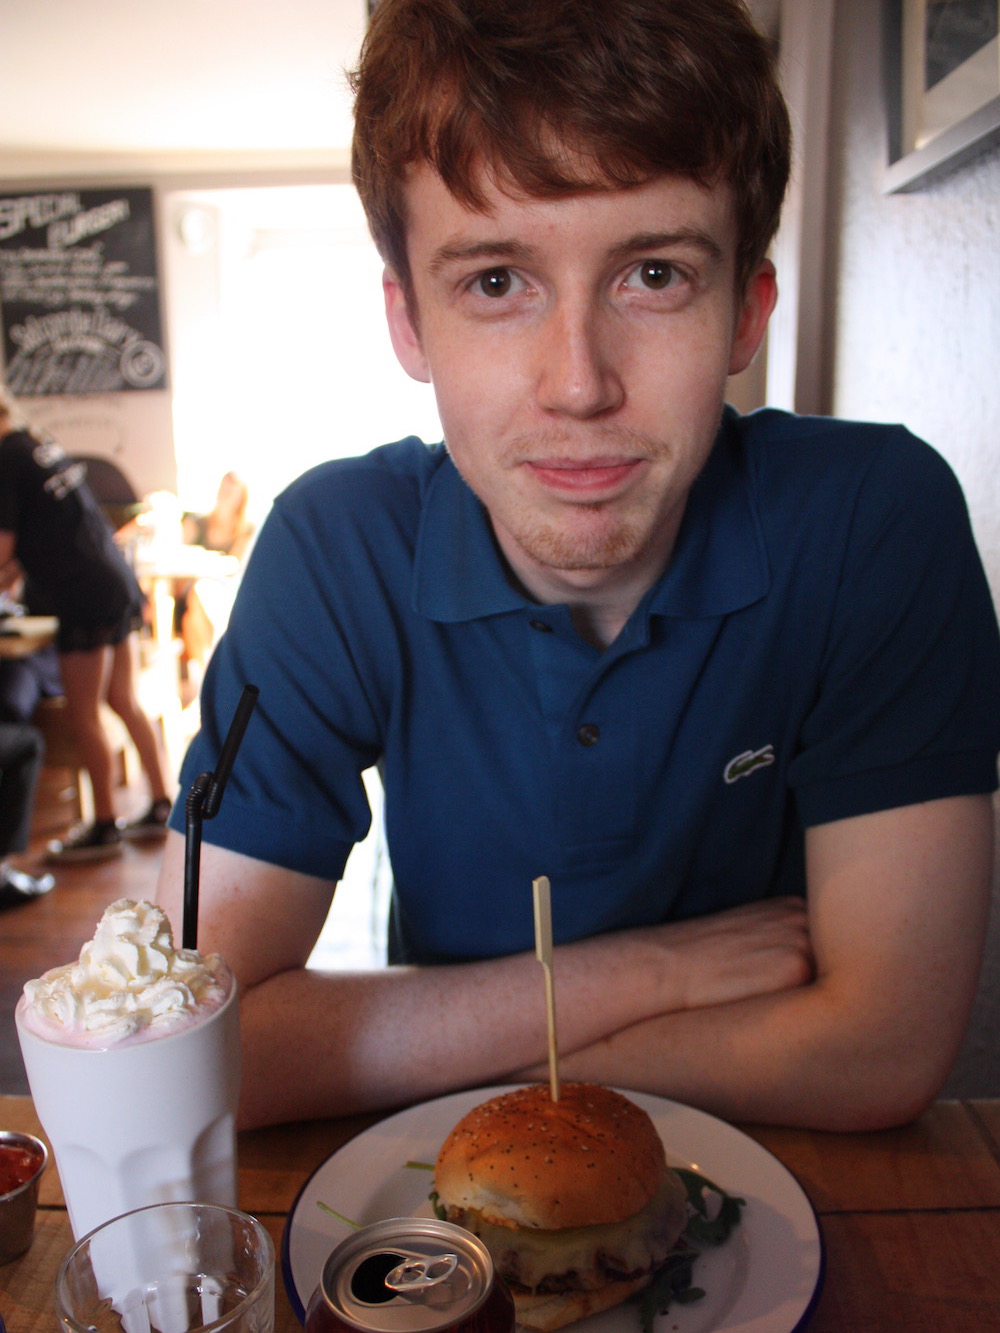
315	627
909	707
295	797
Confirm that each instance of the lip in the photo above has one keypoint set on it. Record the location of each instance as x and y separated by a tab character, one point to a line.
590	476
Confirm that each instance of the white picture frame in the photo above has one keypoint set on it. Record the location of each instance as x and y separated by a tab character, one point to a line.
943	82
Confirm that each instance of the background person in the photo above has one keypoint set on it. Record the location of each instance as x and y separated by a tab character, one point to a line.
226	527
24	681
202	608
52	531
730	682
22	750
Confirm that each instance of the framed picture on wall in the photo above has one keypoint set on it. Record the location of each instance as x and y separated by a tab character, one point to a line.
943	77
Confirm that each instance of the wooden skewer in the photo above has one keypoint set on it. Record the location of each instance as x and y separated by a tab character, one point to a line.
543	951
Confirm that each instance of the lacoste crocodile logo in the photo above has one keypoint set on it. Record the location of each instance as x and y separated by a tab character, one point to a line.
744	764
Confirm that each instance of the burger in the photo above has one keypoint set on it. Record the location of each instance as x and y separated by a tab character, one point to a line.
573	1198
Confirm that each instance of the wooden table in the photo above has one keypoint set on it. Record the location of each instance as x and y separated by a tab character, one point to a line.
910	1217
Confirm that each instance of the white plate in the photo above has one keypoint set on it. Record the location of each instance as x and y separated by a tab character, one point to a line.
764	1279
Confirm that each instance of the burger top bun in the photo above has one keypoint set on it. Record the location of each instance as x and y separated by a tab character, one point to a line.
521	1159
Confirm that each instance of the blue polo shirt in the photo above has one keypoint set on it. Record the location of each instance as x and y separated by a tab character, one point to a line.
823	644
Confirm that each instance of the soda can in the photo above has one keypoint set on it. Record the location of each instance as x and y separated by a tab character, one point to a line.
410	1275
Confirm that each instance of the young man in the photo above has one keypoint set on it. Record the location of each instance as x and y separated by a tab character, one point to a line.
730	683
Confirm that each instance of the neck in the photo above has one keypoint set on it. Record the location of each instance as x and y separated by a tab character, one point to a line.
600	625
600	601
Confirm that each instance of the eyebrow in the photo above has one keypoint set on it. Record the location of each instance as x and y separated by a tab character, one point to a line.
642	242
684	237
462	253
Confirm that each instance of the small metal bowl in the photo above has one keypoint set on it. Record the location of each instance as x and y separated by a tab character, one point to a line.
18	1206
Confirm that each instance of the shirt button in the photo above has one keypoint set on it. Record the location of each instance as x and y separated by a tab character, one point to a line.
540	625
589	734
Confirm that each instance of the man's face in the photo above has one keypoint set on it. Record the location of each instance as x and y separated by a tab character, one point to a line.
579	349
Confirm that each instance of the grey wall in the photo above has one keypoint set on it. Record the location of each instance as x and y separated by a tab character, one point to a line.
914	336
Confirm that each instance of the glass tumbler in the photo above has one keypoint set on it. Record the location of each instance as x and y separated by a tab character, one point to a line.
170	1268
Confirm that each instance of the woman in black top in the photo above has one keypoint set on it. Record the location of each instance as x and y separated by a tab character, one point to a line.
52	530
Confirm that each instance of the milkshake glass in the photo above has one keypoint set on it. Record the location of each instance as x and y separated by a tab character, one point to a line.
133	1060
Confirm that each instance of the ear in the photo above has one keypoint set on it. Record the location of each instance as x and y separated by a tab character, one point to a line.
402	330
751	323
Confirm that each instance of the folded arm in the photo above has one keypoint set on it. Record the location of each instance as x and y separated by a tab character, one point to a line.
326	1043
898	906
833	1018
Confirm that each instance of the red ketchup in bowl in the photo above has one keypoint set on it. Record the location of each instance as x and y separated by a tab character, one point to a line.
19	1163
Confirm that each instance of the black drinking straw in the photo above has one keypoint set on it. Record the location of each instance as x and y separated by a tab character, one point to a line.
203	801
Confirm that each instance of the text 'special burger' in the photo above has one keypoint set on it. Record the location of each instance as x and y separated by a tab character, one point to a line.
573	1198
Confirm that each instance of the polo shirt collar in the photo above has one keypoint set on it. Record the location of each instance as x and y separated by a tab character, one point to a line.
458	574
719	563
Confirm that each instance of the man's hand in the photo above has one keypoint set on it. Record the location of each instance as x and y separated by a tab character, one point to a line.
732	955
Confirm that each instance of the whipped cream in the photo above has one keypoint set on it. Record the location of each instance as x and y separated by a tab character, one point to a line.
129	983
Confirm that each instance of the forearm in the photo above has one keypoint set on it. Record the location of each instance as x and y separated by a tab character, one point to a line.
798	1057
332	1043
318	1044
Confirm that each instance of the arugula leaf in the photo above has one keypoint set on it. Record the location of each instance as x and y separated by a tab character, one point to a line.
673	1282
702	1229
339	1216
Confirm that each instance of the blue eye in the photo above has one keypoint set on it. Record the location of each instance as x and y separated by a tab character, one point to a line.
495	282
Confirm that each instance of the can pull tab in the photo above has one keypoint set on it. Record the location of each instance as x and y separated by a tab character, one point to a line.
414	1276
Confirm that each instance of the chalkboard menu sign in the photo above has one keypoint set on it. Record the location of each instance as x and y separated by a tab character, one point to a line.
79	293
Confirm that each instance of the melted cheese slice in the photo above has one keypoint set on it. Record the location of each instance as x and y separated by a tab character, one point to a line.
583	1257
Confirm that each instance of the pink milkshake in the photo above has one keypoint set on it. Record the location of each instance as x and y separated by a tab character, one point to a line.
132	1055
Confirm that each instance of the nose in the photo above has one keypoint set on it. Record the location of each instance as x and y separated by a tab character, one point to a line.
577	367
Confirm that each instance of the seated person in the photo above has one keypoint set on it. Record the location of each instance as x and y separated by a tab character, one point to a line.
21	752
202	608
25	681
226	527
730	682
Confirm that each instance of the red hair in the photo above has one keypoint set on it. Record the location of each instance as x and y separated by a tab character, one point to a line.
634	89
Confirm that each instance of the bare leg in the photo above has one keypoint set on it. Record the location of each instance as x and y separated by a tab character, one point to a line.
84	677
123	699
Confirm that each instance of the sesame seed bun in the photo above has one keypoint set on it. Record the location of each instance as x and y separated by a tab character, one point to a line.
573	1198
524	1160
